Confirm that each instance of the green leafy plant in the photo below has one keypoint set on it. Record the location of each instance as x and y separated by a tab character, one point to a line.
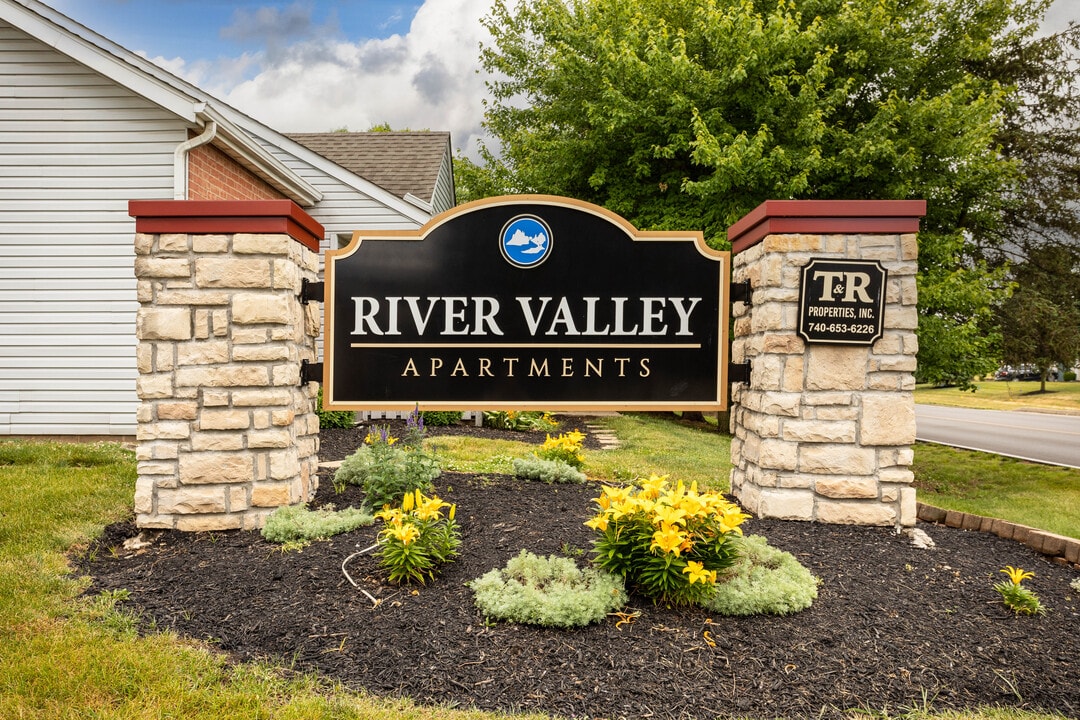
549	591
441	418
763	581
414	434
521	420
669	543
297	523
1021	600
549	471
387	470
333	418
416	538
564	448
1075	584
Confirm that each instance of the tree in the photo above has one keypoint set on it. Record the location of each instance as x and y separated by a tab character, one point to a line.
1040	132
1041	321
690	113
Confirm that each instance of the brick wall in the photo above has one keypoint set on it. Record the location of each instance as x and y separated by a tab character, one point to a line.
213	175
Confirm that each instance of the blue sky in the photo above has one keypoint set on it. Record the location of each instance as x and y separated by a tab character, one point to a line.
216	28
314	65
320	65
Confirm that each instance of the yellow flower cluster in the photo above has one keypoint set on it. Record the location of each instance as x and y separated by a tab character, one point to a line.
568	441
375	437
415	506
681	516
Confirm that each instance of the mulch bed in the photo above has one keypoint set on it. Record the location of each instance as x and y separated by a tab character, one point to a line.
894	626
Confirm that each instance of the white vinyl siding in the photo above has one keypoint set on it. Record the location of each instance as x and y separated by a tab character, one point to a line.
343	208
442	198
75	147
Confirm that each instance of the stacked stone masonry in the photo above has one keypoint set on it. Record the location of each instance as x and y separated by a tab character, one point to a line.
226	432
824	432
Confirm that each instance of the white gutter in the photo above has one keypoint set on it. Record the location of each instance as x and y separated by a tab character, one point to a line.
423	205
180	174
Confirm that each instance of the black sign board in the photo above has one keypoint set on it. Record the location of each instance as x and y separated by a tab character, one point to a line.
842	301
526	302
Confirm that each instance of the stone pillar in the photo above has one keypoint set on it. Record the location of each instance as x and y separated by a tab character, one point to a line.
824	432
226	430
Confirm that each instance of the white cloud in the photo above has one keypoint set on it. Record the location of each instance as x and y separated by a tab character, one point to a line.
425	79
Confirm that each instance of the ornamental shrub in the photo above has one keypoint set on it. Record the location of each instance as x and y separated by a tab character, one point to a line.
441	418
298	523
669	543
565	448
763	581
520	420
1068	376
333	418
417	539
549	591
549	471
386	470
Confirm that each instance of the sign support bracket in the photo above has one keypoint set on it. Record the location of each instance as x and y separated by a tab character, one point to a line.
739	372
311	291
310	371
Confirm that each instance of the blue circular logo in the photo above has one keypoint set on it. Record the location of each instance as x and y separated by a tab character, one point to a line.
525	241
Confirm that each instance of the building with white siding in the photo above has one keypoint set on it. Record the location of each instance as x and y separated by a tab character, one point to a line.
86	126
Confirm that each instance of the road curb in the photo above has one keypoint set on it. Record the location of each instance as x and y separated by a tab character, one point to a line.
1060	549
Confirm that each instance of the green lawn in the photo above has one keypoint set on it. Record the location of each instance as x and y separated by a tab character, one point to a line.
64	656
1041	496
1001	395
647	445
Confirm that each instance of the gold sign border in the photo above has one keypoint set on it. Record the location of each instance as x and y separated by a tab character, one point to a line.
421	233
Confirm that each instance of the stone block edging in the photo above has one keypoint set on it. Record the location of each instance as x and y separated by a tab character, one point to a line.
1060	549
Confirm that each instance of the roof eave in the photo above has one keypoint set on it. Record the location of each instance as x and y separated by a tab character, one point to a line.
142	77
66	36
251	155
334	170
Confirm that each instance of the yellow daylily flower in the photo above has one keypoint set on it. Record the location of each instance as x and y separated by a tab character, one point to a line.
669	538
666	515
428	508
695	506
389	515
652	487
675	496
615	493
406	532
698	573
1017	575
407	502
600	522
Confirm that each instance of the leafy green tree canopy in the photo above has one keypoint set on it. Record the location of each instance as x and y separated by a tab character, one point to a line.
689	113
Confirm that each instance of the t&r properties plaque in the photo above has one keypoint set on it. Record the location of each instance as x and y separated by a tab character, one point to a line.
842	301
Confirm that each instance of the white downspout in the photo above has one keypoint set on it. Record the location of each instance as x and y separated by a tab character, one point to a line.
180	176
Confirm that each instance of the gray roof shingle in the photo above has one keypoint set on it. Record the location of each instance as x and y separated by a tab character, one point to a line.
398	162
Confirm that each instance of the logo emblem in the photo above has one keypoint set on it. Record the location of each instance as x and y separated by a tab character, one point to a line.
525	241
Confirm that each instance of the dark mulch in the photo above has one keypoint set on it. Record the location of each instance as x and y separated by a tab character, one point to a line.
894	626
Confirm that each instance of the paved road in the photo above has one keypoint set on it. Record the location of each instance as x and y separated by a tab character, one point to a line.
1042	437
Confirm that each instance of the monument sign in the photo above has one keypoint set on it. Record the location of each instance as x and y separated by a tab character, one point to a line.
526	302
